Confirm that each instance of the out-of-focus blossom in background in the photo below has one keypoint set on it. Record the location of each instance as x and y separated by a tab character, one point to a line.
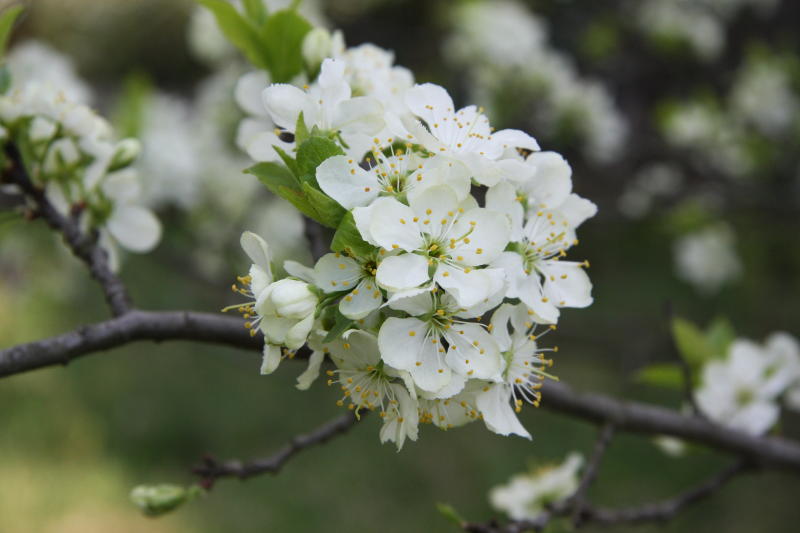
707	258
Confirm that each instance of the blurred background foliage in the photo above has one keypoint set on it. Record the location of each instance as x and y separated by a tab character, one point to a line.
74	441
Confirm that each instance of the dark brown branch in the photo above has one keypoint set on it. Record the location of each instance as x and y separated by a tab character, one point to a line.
211	470
131	327
83	246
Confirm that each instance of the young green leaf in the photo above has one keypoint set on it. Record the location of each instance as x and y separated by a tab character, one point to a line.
449	512
312	153
667	375
274	176
7	19
289	161
328	211
5	79
241	32
348	239
691	342
256	11
282	38
719	336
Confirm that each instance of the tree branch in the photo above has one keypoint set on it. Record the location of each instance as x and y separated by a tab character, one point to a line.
773	452
83	246
131	327
211	470
666	509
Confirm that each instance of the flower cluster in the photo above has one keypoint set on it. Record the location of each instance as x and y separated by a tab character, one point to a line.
742	389
527	495
447	264
70	152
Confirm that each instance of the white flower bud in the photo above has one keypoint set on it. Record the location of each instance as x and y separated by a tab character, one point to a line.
42	129
293	299
125	152
63	153
317	45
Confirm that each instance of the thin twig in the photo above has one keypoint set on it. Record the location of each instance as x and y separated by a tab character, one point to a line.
666	509
578	500
83	246
211	470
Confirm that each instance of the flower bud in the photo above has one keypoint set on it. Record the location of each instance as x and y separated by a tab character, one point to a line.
63	154
317	45
156	500
124	153
293	299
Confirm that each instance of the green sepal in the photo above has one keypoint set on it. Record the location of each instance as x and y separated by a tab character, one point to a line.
256	10
449	512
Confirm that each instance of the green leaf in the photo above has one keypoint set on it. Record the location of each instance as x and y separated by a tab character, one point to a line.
256	10
719	336
242	33
348	239
282	38
449	512
290	163
7	19
691	342
274	176
668	375
311	154
300	130
341	324
328	211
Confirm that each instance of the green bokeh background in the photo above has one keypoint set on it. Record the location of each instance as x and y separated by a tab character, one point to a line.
73	441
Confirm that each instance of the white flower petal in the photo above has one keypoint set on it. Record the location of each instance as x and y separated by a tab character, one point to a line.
335	272
553	182
401	340
343	180
429	102
511	138
135	228
248	92
392	226
285	103
271	358
362	114
487	234
311	373
401	272
495	406
473	352
566	284
257	250
362	301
